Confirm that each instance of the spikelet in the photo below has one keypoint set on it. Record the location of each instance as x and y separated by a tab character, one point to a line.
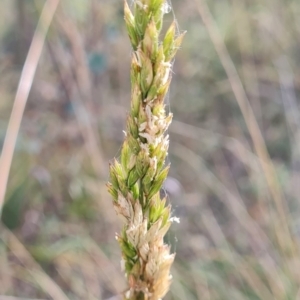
136	180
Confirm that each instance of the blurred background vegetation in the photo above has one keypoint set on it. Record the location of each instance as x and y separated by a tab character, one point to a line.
58	224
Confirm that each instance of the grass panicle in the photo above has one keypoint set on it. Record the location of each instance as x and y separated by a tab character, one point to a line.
136	180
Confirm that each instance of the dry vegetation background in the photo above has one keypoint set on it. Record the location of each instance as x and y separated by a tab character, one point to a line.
57	238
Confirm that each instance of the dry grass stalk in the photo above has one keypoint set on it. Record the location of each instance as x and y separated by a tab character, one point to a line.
285	238
45	282
25	83
136	180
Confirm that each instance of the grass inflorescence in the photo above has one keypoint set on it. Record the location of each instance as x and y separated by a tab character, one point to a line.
136	180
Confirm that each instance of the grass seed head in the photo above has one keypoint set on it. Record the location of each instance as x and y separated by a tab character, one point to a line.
137	179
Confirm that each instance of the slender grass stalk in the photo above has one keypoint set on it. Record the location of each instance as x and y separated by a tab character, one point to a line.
283	233
25	83
136	180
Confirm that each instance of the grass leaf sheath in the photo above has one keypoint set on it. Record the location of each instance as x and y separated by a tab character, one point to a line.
136	180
